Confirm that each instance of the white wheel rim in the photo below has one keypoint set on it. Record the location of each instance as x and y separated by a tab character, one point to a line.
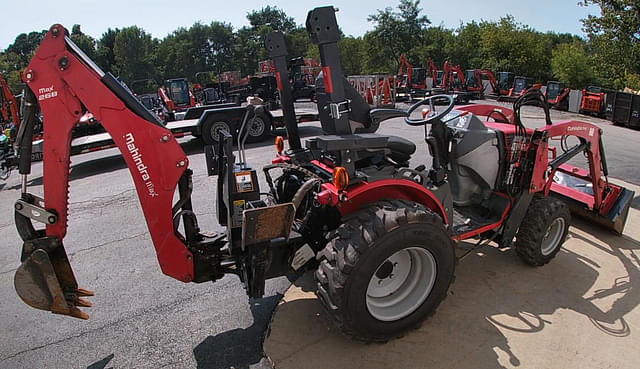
218	127
401	284
256	127
552	236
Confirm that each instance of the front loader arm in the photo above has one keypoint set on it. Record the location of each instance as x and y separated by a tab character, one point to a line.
66	83
590	143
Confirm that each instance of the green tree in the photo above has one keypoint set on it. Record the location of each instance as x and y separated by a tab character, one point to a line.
25	45
10	64
436	43
201	48
272	17
352	55
86	43
105	57
463	49
249	41
571	65
133	51
512	47
395	33
614	37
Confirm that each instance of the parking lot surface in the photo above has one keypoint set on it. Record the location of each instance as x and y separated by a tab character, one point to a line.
144	319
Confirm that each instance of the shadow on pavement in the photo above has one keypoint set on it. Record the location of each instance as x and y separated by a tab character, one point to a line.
102	364
238	348
494	294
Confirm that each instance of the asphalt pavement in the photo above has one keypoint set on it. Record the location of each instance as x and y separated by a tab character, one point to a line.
142	318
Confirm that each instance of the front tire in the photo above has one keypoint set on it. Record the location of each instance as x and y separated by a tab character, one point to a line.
543	230
385	269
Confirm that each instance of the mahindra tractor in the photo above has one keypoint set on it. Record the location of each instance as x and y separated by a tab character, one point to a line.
378	225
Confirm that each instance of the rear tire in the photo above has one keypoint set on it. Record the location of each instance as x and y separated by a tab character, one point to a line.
356	277
543	230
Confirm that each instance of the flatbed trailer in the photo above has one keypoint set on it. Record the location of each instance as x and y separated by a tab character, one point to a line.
231	116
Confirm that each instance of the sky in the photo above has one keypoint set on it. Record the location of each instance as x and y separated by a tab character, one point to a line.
161	17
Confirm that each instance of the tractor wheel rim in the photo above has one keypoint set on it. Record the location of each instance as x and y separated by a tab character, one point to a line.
401	284
218	127
552	236
256	127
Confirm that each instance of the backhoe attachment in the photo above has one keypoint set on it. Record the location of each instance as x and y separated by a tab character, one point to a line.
65	84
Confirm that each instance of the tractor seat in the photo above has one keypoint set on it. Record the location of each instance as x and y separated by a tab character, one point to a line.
363	119
401	149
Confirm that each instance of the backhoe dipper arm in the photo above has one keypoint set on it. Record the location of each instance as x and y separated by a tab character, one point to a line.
66	83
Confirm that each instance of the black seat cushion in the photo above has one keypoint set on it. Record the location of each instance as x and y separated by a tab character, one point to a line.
401	149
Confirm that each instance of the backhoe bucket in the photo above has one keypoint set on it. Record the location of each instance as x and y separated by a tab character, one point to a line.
577	192
46	282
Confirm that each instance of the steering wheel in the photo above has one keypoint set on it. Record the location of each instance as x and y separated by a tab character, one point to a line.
430	118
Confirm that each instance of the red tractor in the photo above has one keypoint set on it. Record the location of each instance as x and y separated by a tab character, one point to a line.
176	97
379	233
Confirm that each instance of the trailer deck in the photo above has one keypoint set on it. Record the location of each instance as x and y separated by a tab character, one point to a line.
179	128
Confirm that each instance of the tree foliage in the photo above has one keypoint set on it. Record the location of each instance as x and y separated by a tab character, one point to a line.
571	65
395	33
609	57
134	54
614	39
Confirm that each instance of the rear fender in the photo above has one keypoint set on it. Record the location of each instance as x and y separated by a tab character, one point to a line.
402	189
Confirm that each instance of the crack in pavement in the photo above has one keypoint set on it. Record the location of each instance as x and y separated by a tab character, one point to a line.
108	243
89	248
102	197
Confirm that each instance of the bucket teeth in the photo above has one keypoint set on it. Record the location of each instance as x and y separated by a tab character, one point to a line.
83	303
84	293
77	313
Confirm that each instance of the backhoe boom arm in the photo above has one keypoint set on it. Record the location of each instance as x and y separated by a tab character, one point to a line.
66	84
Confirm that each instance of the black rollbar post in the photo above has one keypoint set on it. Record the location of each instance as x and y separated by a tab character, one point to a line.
277	49
323	29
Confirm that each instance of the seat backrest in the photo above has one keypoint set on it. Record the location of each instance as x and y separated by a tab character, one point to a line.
359	107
